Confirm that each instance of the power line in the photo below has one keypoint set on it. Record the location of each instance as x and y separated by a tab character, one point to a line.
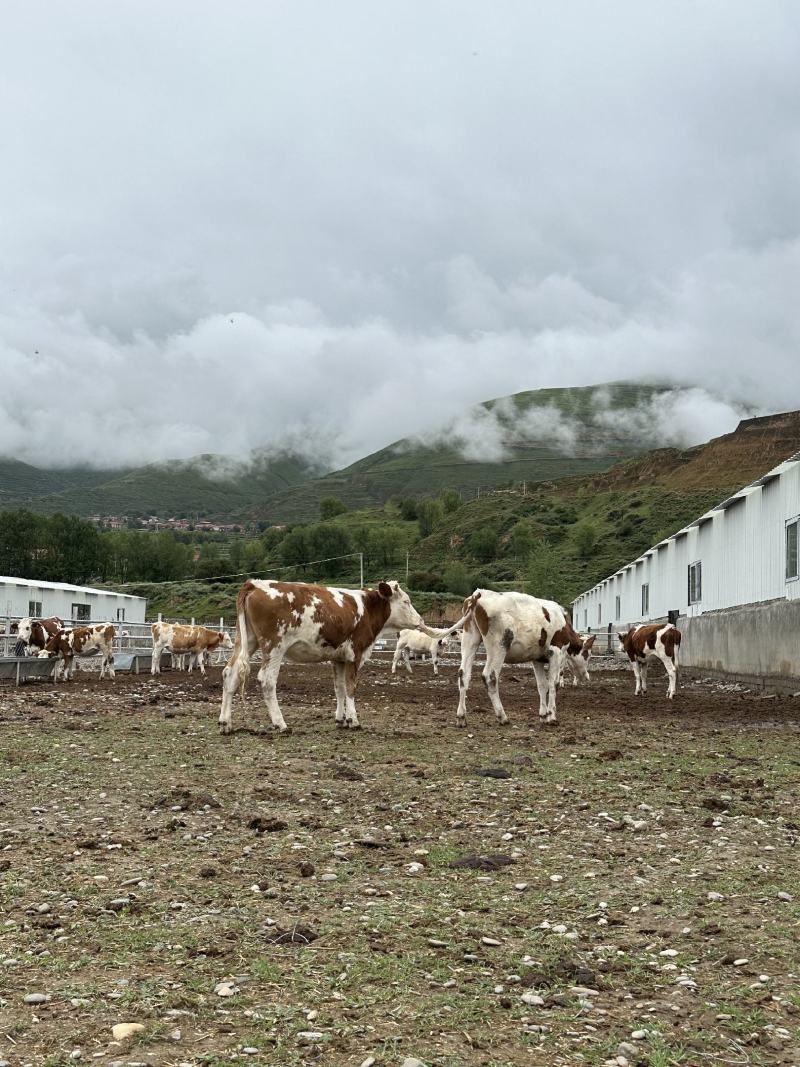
242	574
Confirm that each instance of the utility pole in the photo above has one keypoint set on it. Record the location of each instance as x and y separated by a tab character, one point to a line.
361	566
406	568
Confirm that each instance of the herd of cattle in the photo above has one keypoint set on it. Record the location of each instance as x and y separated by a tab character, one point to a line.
298	622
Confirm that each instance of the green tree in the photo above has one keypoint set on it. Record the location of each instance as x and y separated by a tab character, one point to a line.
429	515
408	509
542	574
457	579
482	543
585	537
451	500
523	538
330	507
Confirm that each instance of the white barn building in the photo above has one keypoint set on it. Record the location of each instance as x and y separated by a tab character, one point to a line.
20	597
731	579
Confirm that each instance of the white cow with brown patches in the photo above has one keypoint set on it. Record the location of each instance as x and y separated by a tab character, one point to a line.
514	628
657	640
81	641
304	623
34	634
412	644
179	639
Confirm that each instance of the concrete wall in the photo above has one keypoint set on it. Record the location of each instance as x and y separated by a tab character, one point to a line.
758	644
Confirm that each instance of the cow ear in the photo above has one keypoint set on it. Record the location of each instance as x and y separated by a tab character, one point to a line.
587	644
385	590
621	637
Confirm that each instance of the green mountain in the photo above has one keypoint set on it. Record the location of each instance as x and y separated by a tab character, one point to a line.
206	486
525	421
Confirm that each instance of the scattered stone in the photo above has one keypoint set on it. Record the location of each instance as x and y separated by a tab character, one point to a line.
533	999
370	1061
226	989
123	1030
307	870
310	1037
715	896
328	877
250	1050
740	962
493	772
627	1050
36	998
639	1035
208	872
783	895
491	941
410	1061
118	904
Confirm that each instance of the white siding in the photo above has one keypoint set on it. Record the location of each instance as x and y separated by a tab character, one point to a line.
58	598
740	544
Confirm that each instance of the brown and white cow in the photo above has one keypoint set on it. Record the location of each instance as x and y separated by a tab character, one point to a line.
305	623
577	658
180	639
412	644
653	639
33	634
81	641
515	628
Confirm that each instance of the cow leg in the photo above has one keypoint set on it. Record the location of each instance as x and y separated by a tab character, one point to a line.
398	655
340	688
637	674
491	679
540	672
643	673
672	674
268	677
435	661
200	660
155	664
470	641
231	680
351	681
553	674
110	664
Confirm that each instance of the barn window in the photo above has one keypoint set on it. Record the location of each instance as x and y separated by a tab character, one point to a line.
585	617
645	599
617	606
791	549
599	614
695	582
35	609
120	614
81	612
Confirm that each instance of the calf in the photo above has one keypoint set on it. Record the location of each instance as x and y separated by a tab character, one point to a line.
305	623
80	641
33	634
514	628
653	639
412	644
577	658
179	639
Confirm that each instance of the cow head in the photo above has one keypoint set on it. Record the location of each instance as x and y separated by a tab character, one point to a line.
580	661
24	630
402	613
443	644
226	641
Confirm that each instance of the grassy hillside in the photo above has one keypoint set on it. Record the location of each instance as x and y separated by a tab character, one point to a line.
179	488
408	468
21	485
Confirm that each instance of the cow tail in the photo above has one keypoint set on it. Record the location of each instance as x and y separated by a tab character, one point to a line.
243	661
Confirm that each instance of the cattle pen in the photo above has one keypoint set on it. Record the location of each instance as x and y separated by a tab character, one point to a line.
730	580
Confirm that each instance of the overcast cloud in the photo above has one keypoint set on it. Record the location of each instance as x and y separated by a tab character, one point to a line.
327	226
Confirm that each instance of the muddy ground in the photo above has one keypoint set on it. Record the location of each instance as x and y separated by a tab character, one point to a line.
294	900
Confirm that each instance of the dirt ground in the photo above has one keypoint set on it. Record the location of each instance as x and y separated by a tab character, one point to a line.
303	899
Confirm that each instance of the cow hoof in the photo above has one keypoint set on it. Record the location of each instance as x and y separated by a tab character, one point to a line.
340	724
354	725
224	729
461	723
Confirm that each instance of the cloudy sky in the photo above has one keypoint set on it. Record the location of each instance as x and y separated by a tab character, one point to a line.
329	225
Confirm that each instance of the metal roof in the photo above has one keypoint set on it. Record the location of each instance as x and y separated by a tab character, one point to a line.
35	583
